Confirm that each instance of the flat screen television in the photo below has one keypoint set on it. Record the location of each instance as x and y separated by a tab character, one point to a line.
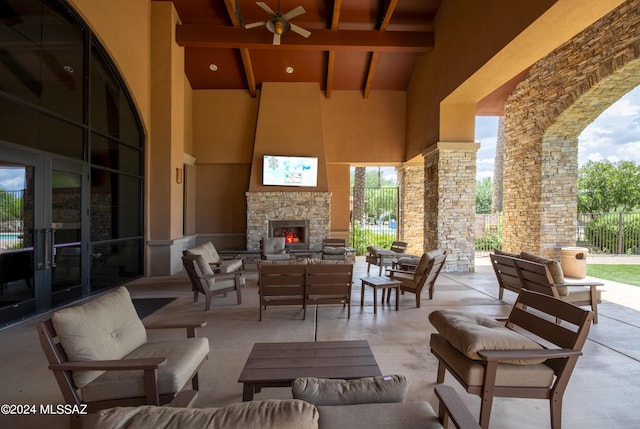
289	170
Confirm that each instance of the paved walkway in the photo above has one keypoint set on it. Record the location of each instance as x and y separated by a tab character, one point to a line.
618	293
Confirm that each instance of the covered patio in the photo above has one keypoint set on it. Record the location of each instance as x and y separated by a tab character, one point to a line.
601	391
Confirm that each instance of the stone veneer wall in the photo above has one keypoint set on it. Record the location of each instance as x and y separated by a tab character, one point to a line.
450	202
265	206
563	93
411	184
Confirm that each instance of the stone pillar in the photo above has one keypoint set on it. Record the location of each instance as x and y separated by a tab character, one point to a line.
411	226
450	202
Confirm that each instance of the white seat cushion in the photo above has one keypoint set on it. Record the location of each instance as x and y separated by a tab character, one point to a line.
470	333
183	356
472	371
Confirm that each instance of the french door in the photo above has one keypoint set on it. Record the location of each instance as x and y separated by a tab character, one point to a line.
44	203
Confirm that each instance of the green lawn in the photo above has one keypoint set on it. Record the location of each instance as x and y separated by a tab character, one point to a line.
623	273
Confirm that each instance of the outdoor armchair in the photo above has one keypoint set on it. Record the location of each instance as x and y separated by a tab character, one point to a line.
206	282
334	249
100	356
425	274
384	257
273	249
529	356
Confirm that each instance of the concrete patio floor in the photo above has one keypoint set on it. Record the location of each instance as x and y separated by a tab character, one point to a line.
603	391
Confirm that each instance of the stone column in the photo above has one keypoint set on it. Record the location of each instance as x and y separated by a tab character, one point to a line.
411	226
450	202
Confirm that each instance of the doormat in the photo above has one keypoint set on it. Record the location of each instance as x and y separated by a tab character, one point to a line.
146	306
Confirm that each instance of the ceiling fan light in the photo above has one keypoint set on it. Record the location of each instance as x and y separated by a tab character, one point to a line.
278	27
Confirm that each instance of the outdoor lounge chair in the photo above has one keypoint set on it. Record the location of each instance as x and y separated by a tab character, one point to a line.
273	249
425	274
531	356
384	257
100	356
206	282
334	249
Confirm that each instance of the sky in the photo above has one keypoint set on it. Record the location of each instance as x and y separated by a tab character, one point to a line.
614	136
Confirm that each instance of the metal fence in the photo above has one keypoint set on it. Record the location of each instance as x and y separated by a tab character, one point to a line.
602	233
375	223
11	215
611	233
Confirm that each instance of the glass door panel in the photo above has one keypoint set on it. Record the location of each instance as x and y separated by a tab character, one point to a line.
42	231
66	229
17	240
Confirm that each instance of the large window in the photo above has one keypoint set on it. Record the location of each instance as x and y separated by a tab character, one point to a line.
62	99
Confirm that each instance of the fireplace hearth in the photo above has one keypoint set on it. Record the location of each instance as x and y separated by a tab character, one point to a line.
312	208
295	232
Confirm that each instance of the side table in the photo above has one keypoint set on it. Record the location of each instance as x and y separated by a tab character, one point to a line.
383	283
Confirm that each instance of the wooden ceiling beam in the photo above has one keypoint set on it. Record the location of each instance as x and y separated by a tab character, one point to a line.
203	36
335	20
391	7
244	52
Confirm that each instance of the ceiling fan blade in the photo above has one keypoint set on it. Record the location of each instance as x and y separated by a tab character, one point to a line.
276	39
301	31
294	12
255	24
266	8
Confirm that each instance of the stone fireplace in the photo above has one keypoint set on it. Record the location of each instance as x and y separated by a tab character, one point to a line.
295	232
269	212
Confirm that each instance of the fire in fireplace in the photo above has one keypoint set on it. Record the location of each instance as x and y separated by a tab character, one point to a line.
295	232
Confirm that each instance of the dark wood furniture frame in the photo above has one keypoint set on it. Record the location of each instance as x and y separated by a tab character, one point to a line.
282	284
514	274
199	282
329	284
421	279
278	364
380	282
532	315
382	261
63	368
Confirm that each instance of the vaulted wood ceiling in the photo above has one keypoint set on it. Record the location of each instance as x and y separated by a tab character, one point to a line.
354	44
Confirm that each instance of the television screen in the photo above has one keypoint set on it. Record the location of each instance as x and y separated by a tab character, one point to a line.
289	170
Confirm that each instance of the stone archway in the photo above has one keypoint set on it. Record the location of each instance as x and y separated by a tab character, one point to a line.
563	93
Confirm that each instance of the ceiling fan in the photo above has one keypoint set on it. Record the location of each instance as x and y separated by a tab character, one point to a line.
279	23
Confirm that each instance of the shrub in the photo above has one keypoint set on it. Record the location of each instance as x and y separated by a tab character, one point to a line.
615	233
362	237
489	242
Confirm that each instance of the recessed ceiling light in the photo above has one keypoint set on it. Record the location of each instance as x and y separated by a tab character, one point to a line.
289	70
213	67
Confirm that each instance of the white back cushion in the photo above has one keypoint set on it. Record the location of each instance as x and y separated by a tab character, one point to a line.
105	328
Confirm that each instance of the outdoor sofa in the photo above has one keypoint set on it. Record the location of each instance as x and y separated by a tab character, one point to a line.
368	403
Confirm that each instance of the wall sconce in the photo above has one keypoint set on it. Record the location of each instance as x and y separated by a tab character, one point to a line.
178	175
429	174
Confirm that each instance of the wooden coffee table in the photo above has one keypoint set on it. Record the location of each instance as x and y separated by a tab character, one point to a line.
278	364
383	283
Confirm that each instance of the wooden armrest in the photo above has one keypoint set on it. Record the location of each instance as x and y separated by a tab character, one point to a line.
502	355
395	270
184	399
190	326
579	284
110	365
452	406
177	325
